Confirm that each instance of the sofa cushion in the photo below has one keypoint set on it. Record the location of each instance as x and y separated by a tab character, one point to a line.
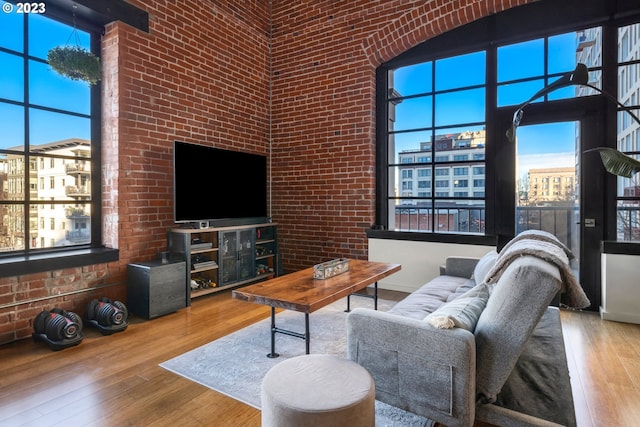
432	295
539	384
460	266
518	301
462	312
484	265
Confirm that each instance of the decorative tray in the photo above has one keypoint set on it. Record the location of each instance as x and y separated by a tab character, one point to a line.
331	268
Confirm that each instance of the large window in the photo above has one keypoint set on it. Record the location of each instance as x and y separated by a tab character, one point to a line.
628	130
437	111
47	200
443	110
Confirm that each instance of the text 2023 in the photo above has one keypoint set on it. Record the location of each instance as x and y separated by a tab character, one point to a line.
31	7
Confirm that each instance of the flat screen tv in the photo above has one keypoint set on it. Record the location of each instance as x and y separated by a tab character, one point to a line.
218	186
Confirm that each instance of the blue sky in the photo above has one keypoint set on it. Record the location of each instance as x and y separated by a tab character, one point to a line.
532	139
518	61
47	88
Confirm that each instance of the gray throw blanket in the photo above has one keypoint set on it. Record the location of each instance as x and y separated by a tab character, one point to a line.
541	235
548	251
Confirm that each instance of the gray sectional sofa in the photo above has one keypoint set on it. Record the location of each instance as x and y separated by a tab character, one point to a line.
480	341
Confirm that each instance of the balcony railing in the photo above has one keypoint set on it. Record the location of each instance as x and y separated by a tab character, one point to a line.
73	168
77	191
74	212
559	221
78	236
468	220
628	224
471	220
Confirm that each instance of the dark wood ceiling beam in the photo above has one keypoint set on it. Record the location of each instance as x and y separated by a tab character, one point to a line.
113	10
95	14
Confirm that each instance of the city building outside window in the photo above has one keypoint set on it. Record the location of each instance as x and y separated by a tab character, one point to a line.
429	124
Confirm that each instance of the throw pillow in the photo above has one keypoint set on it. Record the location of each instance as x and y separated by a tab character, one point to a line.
463	312
483	266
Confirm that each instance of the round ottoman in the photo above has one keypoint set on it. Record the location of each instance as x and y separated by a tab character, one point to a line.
318	390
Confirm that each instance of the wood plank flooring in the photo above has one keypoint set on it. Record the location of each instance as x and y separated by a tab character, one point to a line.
115	380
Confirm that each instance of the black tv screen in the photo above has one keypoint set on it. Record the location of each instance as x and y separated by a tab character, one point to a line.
216	184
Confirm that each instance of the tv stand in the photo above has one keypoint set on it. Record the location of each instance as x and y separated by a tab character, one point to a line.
224	257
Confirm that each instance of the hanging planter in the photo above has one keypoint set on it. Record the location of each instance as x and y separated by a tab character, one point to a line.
75	63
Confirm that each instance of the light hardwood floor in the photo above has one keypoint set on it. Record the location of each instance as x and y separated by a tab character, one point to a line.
116	381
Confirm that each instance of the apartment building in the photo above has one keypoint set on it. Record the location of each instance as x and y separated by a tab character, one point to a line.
60	191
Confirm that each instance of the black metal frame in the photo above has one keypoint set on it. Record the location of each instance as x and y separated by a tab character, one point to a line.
360	294
94	116
306	336
91	16
535	20
538	19
274	330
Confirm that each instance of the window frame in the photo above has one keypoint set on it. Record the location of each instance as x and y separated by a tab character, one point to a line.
437	202
32	260
527	22
624	144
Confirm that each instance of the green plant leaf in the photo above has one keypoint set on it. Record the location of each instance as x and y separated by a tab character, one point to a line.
617	163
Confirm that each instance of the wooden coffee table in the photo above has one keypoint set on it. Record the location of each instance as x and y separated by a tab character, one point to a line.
299	291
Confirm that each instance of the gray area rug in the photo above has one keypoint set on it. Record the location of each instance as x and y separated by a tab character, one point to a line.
234	365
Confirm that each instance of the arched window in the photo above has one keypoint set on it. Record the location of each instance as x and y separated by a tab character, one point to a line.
440	107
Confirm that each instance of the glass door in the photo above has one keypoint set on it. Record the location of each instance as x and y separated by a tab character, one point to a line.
547	182
228	257
559	185
237	255
246	254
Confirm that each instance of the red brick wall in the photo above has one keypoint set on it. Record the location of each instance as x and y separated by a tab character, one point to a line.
325	54
201	75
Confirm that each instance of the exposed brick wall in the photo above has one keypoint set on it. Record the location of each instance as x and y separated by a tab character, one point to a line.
70	289
202	75
324	58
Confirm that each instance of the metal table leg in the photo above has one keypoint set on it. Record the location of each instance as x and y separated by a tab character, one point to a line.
306	336
374	296
273	353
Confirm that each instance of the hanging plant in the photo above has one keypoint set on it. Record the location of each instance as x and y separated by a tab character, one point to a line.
75	63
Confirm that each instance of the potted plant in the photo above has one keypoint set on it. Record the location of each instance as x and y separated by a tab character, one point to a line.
76	63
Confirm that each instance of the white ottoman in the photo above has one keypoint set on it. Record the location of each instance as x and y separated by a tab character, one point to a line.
318	390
